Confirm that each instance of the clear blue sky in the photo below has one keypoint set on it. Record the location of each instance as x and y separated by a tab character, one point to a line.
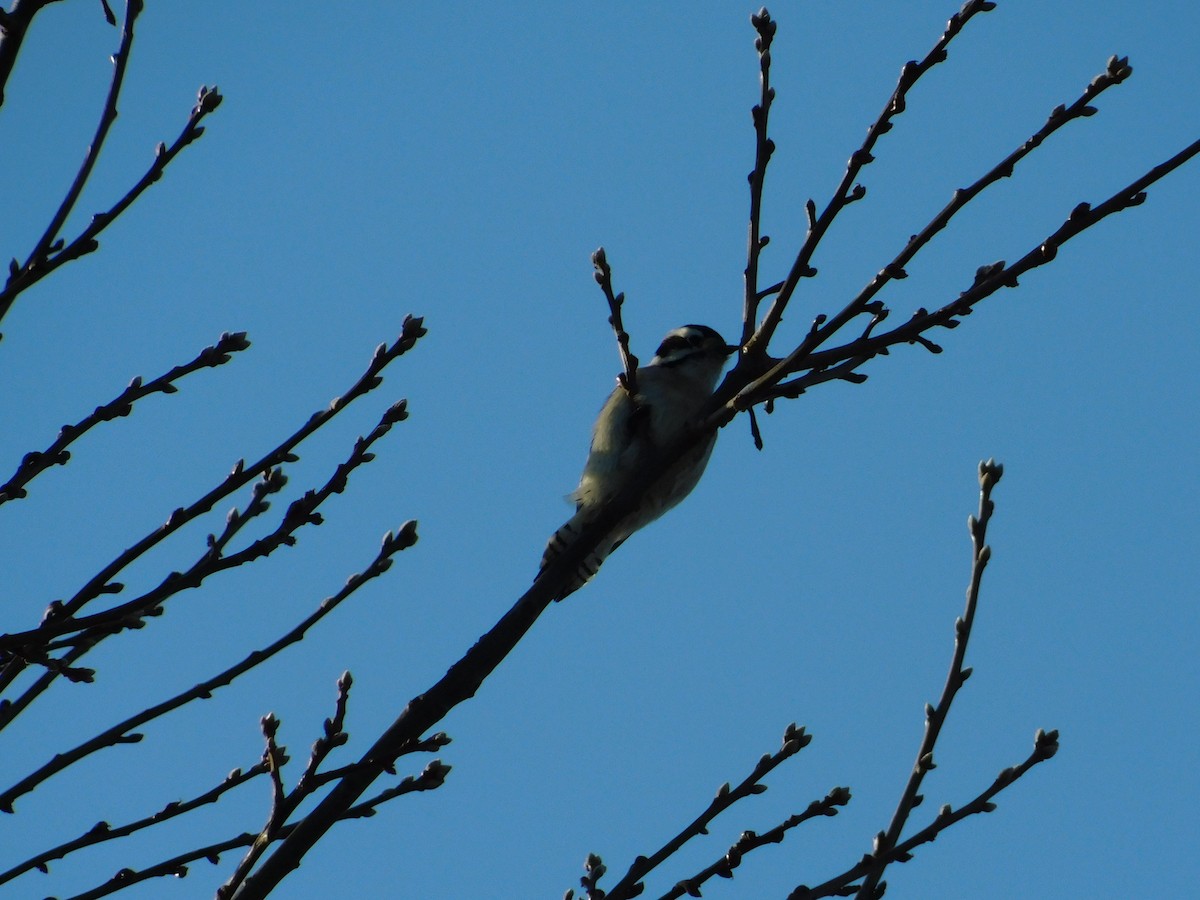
461	163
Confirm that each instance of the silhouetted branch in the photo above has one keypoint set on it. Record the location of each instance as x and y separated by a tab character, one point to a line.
990	473
102	831
51	251
988	280
14	25
124	733
794	740
844	193
284	802
38	461
120	60
98	627
1045	745
431	778
749	840
1116	71
60	619
629	362
765	26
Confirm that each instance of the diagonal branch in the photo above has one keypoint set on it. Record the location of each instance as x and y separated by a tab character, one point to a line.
1116	71
990	474
61	620
43	261
124	732
102	831
14	25
844	194
38	461
988	280
1045	746
794	740
430	778
120	60
749	840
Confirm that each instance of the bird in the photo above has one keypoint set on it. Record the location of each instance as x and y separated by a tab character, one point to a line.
670	392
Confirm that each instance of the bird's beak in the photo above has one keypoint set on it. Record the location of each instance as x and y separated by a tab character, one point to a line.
731	349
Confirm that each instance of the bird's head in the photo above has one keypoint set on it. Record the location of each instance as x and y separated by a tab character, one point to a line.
693	345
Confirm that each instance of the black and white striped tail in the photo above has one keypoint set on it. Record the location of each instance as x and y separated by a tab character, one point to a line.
560	541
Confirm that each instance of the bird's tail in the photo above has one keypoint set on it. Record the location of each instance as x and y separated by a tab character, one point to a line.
564	538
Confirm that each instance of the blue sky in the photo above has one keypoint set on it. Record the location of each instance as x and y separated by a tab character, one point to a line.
461	164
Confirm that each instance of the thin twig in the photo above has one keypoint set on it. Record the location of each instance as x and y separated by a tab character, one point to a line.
431	778
61	620
988	280
845	193
57	454
108	115
749	840
124	732
990	473
91	630
629	362
102	831
794	740
1045	746
37	267
765	26
284	802
1116	71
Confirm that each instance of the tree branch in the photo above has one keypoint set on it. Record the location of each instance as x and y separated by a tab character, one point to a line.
124	732
38	461
845	194
794	740
14	25
48	256
765	26
988	280
990	473
629	362
749	840
1045	745
102	831
61	619
431	778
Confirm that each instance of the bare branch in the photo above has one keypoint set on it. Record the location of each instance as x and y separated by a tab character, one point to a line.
44	260
14	25
794	740
431	778
61	619
33	464
749	840
102	831
765	26
284	803
124	732
988	280
91	630
847	191
1116	71
629	362
1045	745
990	473
108	115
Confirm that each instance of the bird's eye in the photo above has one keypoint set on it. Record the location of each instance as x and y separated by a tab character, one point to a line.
671	344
